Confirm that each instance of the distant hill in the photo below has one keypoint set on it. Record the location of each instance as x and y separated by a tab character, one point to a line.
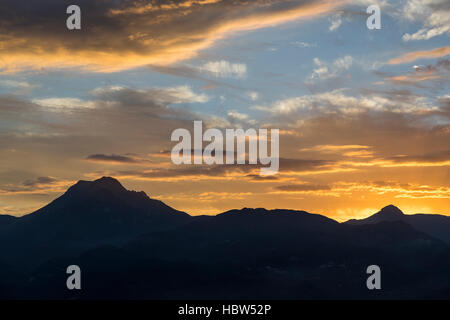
433	224
259	254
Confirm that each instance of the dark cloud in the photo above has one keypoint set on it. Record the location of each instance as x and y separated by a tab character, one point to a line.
287	164
191	72
187	171
112	158
427	157
437	74
302	187
39	181
39	186
182	71
257	177
148	103
296	165
393	94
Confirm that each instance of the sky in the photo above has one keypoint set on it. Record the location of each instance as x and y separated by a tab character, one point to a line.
364	115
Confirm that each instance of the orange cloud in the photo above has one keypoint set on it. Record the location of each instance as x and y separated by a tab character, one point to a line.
406	190
415	78
143	8
412	56
150	37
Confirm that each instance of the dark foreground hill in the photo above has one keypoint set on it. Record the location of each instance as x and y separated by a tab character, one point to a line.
132	247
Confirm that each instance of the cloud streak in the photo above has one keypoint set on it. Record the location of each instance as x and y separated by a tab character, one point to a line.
423	54
122	35
112	158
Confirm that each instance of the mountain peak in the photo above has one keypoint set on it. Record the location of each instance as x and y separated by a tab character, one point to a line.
388	213
105	183
391	210
108	182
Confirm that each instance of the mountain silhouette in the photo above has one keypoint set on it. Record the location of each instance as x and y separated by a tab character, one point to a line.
90	213
130	246
6	220
433	224
259	254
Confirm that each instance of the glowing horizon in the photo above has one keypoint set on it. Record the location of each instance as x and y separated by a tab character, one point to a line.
363	115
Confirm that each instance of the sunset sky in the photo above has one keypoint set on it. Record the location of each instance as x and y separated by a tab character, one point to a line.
364	115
